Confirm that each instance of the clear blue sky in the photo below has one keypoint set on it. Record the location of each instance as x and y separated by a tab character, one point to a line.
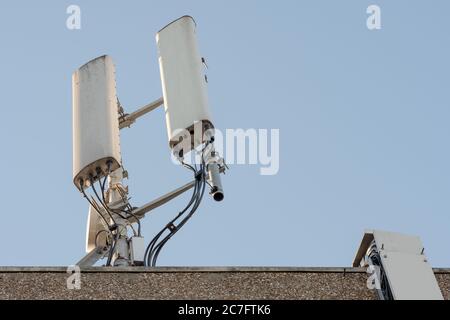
363	118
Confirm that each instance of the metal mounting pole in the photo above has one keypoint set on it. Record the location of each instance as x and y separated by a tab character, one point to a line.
121	256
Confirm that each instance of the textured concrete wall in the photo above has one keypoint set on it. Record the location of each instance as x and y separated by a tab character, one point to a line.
194	283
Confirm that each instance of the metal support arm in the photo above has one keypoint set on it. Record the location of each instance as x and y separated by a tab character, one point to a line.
141	211
129	119
92	257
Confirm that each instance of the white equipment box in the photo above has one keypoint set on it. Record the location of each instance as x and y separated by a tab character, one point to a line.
409	275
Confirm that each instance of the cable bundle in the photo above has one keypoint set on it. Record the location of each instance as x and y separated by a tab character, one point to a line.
155	246
112	228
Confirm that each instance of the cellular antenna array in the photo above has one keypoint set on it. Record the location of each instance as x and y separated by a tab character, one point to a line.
114	224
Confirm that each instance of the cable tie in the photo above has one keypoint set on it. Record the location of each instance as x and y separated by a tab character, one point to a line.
171	227
199	176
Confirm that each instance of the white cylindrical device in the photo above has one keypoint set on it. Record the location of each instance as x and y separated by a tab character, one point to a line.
215	181
183	82
96	143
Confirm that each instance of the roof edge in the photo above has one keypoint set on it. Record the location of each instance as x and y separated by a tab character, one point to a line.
63	269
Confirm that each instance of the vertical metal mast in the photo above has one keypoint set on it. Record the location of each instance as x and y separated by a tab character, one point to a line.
121	254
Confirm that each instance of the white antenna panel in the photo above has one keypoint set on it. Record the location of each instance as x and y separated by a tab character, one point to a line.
96	143
183	82
95	225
